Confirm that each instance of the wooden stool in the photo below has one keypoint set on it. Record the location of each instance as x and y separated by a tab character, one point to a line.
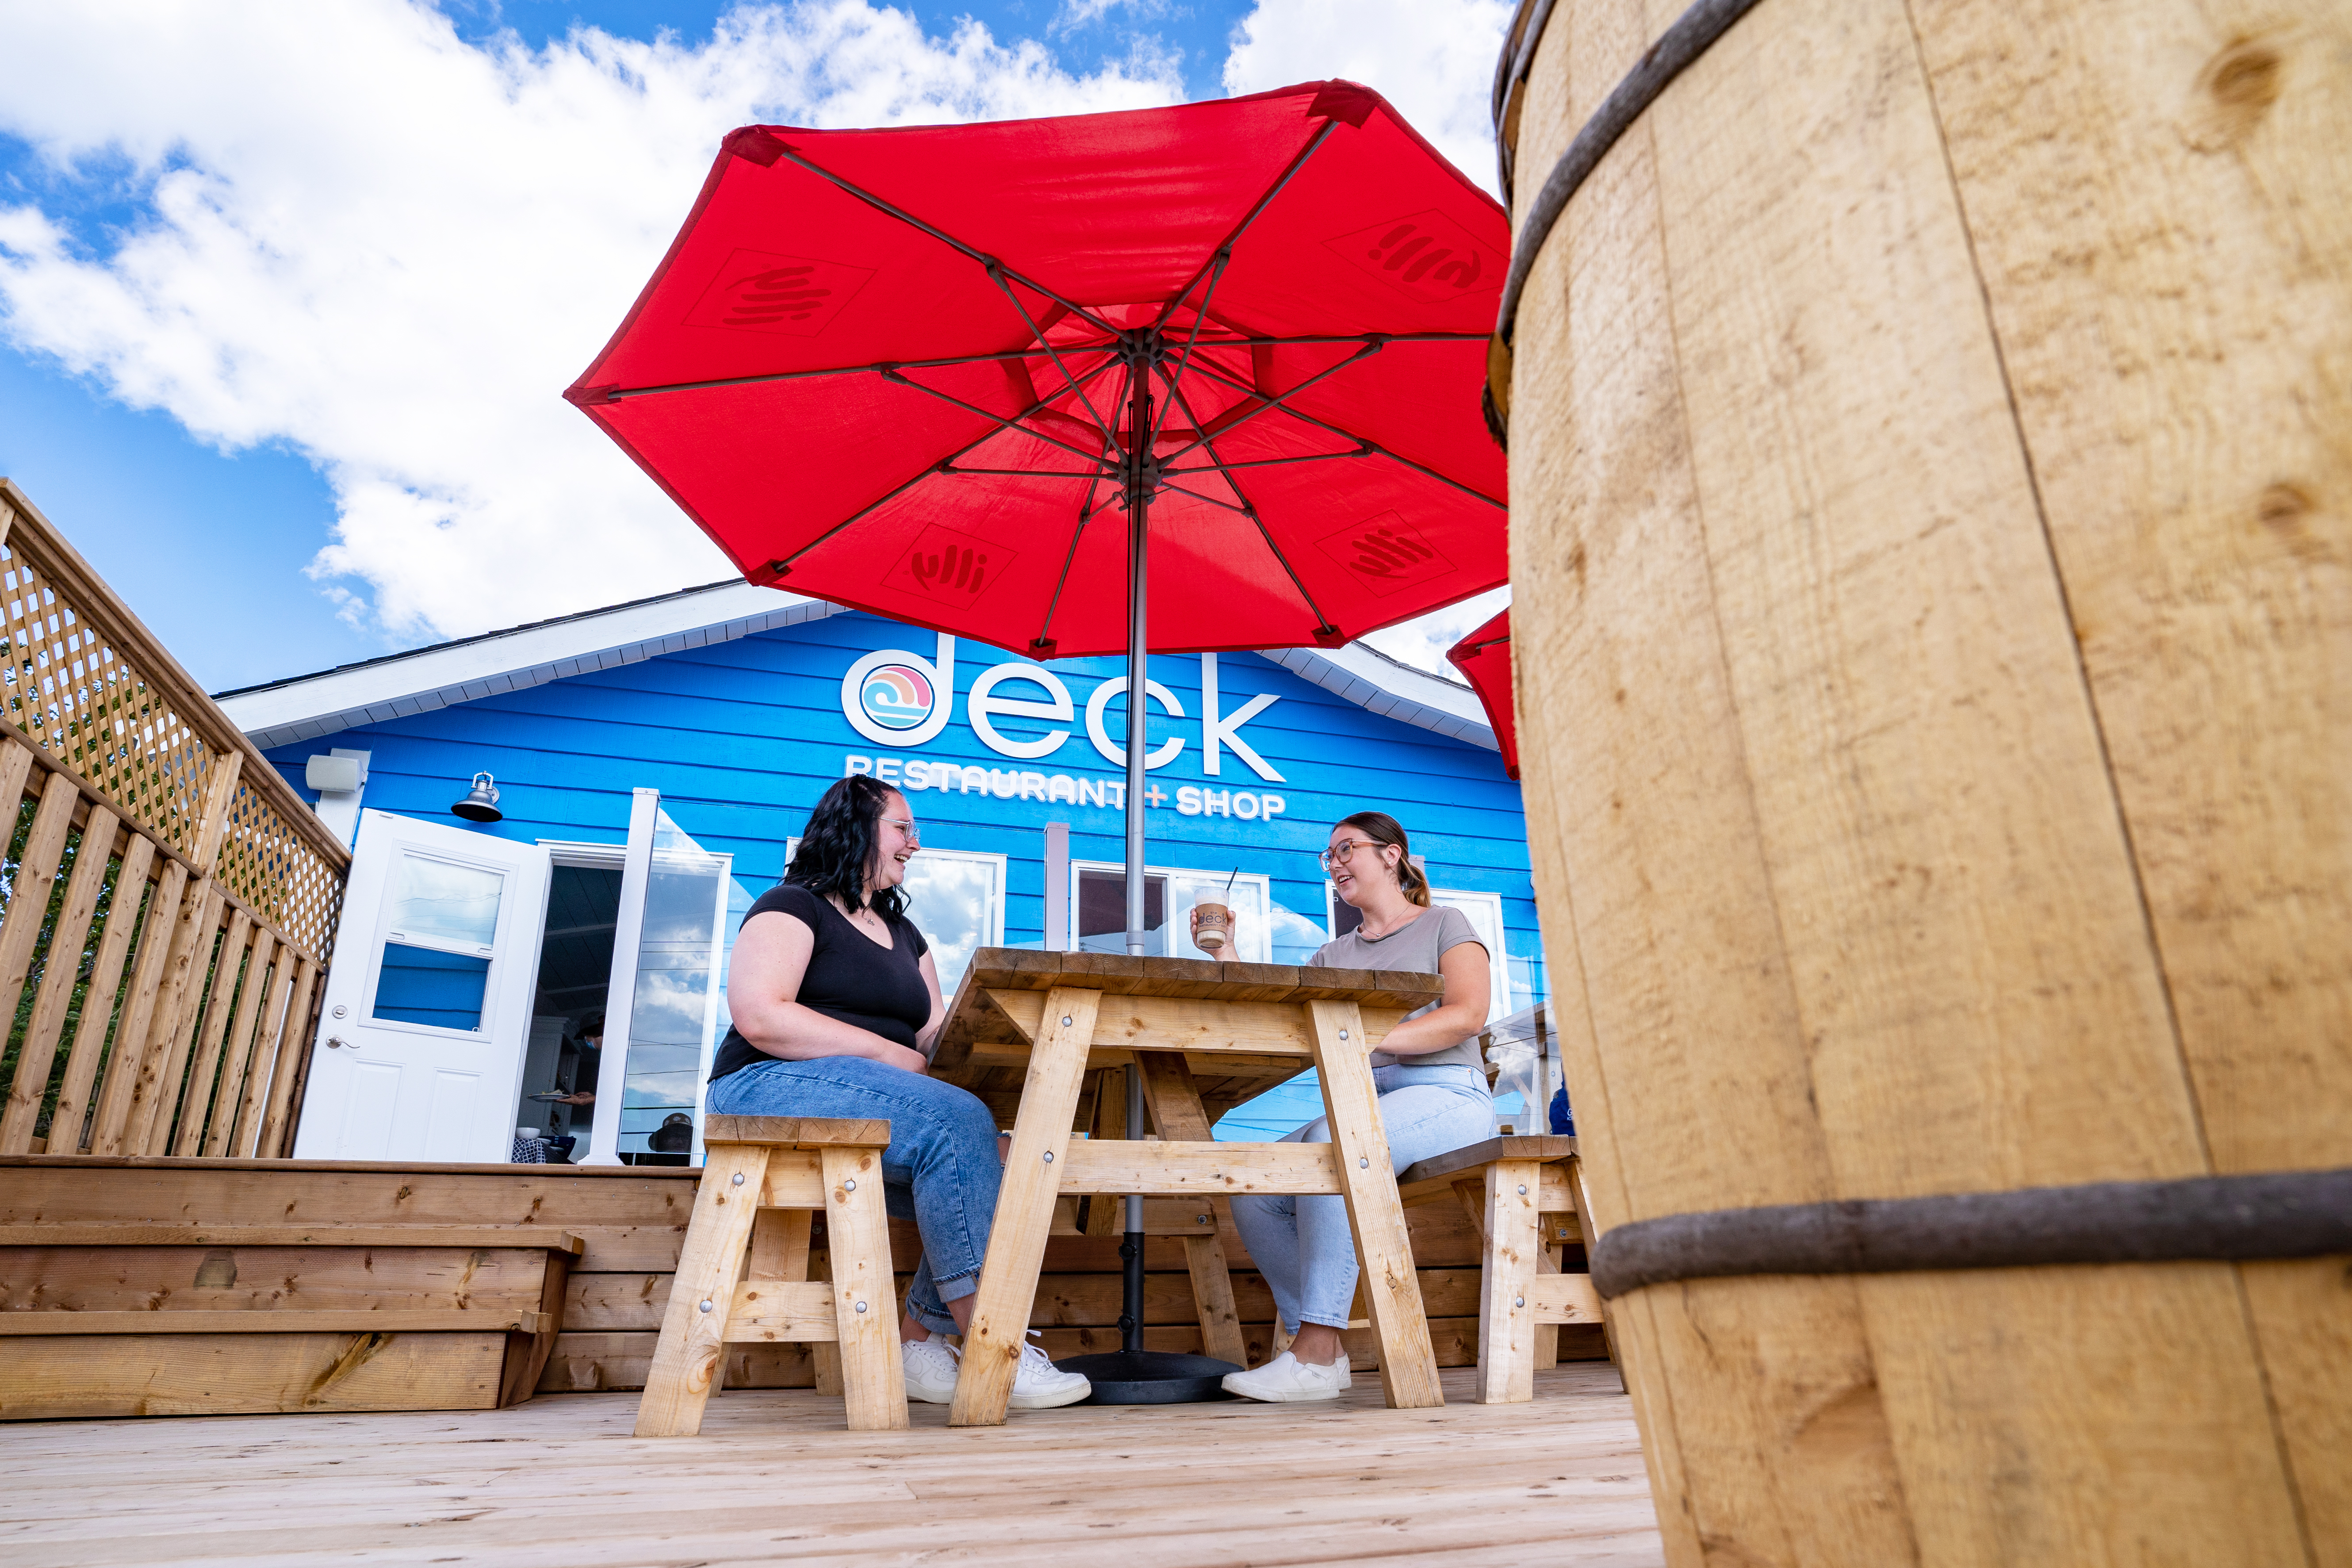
1514	1190
741	1282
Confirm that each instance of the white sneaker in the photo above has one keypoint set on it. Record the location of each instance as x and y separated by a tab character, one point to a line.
931	1369
1037	1385
1287	1380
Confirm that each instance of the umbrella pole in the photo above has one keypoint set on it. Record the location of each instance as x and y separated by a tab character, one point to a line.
1138	549
1131	1375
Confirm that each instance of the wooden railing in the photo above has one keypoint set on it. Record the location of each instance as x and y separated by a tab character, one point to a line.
170	901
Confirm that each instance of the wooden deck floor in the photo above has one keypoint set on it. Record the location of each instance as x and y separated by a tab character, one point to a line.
560	1481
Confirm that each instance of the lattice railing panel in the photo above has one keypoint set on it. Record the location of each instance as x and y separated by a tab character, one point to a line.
84	701
278	873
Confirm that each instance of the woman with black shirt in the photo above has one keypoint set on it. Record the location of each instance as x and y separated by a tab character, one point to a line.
836	1004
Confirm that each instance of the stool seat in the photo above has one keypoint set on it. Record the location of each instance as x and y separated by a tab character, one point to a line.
744	1276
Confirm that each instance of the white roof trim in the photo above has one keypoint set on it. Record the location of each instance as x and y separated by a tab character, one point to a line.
336	699
309	707
1372	680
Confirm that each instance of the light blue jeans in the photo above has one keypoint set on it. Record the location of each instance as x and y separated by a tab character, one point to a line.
1302	1245
940	1170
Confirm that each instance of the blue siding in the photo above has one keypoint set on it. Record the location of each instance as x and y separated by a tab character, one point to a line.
741	739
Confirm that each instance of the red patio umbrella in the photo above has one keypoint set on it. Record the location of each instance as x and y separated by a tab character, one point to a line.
1484	658
1053	383
1172	379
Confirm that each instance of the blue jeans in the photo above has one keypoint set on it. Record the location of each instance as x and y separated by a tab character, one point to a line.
940	1170
1302	1245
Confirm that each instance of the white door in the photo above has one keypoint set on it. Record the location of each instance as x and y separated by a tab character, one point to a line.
428	1011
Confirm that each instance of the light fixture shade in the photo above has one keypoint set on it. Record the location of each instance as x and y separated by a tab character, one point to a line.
482	802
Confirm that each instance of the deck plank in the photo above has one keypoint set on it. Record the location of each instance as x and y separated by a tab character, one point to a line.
773	1477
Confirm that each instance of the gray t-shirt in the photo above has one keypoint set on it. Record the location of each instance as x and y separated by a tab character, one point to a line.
1413	948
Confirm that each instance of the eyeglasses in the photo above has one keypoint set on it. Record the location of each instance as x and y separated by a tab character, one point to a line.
1345	847
906	825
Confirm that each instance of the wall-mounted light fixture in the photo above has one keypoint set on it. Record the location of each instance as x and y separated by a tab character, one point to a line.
482	802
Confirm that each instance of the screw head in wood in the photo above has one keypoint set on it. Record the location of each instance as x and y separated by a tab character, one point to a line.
1365	1164
861	1306
706	1306
1049	1156
850	1185
1200	1219
736	1181
1515	1301
1066	1020
1523	1189
1343	1034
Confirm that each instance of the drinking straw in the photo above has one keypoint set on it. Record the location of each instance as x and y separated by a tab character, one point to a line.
1229	887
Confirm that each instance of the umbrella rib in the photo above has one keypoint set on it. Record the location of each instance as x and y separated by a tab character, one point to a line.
1377	449
1272	191
1044	473
996	275
1249	508
1012	424
883	500
619	393
911	221
1212	500
1068	558
1371	347
1225	255
1363	451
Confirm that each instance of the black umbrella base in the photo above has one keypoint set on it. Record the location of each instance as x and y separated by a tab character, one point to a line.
1151	1377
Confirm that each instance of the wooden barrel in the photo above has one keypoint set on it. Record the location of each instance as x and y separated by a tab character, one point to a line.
1931	493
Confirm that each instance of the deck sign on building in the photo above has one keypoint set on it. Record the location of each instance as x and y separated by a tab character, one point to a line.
654	763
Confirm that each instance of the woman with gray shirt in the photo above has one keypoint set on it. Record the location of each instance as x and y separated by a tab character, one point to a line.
1432	1088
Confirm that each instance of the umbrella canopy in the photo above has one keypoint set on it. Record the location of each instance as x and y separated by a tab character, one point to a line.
1484	658
935	372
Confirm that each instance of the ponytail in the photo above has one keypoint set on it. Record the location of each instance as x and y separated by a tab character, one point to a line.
1382	828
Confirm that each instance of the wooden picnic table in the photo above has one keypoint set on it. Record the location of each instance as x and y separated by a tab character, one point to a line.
1050	1019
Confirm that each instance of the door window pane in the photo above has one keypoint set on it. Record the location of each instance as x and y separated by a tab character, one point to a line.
957	902
425	985
675	1006
440	904
1102	912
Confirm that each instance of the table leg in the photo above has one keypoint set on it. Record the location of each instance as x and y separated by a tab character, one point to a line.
1024	1208
1368	1177
689	1356
1179	1117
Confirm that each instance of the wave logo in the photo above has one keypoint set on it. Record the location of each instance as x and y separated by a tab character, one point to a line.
1426	256
896	697
1385	553
763	291
950	566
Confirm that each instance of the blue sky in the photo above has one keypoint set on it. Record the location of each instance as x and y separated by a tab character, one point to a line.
232	263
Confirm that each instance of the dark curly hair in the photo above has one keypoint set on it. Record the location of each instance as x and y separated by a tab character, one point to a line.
837	847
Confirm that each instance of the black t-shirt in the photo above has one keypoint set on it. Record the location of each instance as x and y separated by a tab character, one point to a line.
850	976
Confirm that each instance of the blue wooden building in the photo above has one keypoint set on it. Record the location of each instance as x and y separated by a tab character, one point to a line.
653	764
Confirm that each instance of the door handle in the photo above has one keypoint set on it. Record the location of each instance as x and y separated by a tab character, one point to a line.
332	1041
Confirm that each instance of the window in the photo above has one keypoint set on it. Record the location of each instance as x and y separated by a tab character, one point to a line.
1098	897
1485	914
956	899
443	925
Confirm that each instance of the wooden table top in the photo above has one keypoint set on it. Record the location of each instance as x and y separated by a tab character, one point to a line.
981	1046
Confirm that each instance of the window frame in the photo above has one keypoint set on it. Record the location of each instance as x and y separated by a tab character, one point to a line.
1264	882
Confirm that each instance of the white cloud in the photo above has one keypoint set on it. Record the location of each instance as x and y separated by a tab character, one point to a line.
1434	62
392	251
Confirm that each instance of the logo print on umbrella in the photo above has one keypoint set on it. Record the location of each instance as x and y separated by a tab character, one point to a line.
1385	553
896	697
761	291
1426	256
951	567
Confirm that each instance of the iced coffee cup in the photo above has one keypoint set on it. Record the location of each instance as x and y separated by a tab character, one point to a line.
1212	926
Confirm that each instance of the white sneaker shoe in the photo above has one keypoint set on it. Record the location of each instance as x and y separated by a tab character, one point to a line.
1037	1385
930	1366
1287	1380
